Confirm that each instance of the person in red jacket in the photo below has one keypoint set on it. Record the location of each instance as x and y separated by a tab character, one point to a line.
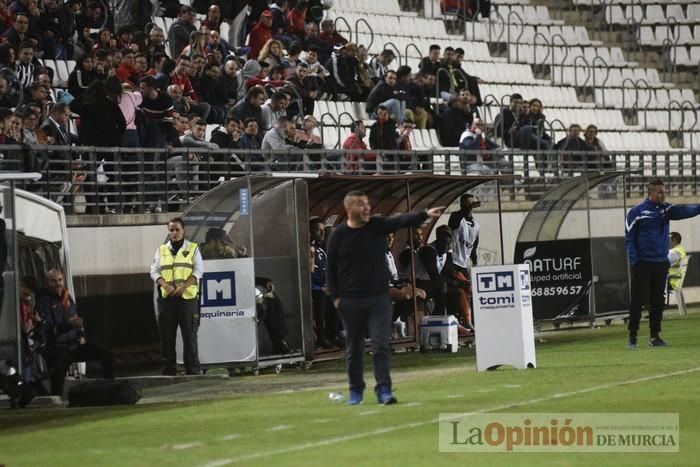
355	141
260	34
296	20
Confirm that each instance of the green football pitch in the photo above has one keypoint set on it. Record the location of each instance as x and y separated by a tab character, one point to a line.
288	419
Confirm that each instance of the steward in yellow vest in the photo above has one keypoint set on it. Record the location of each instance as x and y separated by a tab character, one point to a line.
176	269
675	257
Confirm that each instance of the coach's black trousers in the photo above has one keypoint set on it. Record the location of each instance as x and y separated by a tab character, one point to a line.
648	285
362	315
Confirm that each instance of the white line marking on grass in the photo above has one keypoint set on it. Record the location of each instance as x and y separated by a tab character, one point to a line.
367	412
411	404
454	396
389	429
186	445
321	420
230	437
511	386
279	428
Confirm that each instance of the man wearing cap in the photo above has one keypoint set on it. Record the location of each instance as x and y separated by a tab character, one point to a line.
260	34
379	64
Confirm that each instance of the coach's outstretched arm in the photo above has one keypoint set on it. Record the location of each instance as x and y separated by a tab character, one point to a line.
411	219
683	211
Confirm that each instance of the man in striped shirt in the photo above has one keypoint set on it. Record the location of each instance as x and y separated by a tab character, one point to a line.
24	69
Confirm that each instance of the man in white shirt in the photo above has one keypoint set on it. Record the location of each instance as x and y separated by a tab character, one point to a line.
273	109
465	230
379	64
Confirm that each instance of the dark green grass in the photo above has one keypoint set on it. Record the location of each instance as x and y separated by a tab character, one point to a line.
287	419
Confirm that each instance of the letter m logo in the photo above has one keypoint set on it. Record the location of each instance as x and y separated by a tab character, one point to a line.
495	281
219	289
504	281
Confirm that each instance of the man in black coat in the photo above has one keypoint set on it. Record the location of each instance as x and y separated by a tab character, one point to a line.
573	144
507	122
64	334
228	138
454	121
387	94
250	106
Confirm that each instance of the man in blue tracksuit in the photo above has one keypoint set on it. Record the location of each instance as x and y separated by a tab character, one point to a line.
646	238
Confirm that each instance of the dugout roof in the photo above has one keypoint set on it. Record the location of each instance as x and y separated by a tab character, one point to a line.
546	218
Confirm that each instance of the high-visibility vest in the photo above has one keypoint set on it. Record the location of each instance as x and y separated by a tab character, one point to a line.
177	269
674	272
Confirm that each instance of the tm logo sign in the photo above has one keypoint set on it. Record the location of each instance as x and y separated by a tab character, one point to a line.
219	289
495	282
524	280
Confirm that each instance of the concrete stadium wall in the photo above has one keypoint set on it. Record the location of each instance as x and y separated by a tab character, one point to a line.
127	250
110	265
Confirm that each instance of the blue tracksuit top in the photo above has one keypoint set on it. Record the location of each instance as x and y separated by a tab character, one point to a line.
647	229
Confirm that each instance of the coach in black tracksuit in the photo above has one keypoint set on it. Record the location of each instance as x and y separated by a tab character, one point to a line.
358	281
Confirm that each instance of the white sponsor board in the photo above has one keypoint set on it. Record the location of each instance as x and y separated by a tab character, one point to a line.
227	328
503	316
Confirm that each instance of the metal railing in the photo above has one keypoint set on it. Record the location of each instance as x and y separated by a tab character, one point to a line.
126	180
605	67
565	55
587	67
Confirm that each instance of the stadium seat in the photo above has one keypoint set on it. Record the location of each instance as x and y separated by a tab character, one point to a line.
434	139
416	140
694	14
210	128
675	11
330	137
654	14
615	15
681	56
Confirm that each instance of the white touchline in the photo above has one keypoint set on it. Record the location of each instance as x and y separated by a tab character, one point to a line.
196	444
230	437
279	428
389	429
411	404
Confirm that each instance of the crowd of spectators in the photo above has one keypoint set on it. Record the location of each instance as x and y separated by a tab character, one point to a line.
137	85
523	125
